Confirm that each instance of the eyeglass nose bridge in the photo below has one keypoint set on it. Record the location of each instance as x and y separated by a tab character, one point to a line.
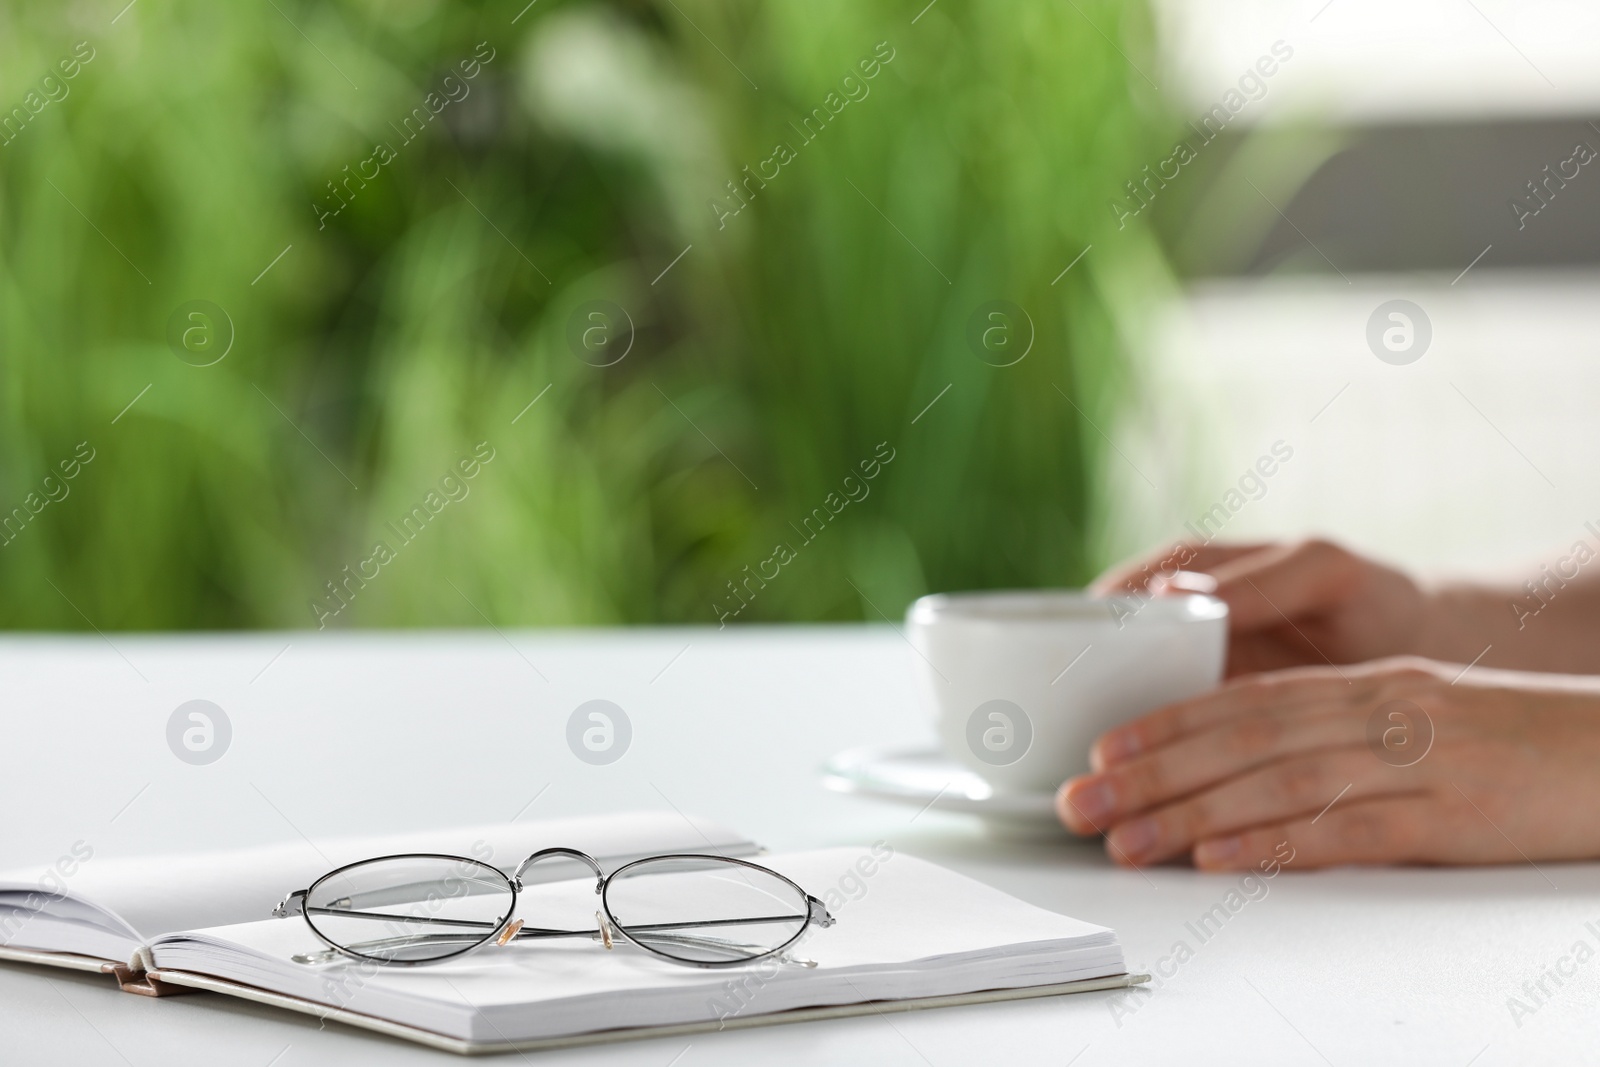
570	853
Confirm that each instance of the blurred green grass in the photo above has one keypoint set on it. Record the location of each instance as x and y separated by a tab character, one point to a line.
774	356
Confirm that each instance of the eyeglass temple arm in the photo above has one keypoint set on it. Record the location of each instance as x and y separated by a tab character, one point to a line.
412	940
817	913
652	928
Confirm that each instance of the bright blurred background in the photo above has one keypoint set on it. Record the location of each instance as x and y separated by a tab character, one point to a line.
1394	157
784	311
707	280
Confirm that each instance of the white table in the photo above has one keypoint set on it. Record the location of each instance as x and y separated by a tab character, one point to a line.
367	733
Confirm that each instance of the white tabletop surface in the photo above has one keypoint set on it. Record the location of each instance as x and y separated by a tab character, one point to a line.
386	732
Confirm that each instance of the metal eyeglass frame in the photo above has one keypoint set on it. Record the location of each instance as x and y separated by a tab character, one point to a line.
509	929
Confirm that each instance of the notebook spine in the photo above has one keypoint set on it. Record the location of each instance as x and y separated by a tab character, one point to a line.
142	983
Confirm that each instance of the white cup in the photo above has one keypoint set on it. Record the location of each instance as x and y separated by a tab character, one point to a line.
1023	683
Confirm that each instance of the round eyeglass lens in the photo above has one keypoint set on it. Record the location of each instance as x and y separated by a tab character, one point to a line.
409	909
703	909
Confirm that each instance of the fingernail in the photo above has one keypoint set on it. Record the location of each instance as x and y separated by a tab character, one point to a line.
1118	746
1137	837
1094	802
1217	851
1193	582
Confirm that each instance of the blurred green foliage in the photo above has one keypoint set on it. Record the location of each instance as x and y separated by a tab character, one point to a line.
411	315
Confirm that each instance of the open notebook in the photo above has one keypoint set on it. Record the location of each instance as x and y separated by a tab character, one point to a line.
908	934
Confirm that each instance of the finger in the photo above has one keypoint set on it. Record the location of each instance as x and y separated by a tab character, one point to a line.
1249	695
1275	586
1207	759
1136	574
1381	830
1308	783
1180	582
1268	650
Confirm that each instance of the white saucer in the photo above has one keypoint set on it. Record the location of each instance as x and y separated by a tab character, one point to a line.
926	778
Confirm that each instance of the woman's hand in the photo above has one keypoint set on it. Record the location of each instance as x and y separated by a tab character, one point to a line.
1396	761
1290	605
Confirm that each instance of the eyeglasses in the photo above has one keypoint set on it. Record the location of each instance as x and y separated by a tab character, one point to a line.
704	911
